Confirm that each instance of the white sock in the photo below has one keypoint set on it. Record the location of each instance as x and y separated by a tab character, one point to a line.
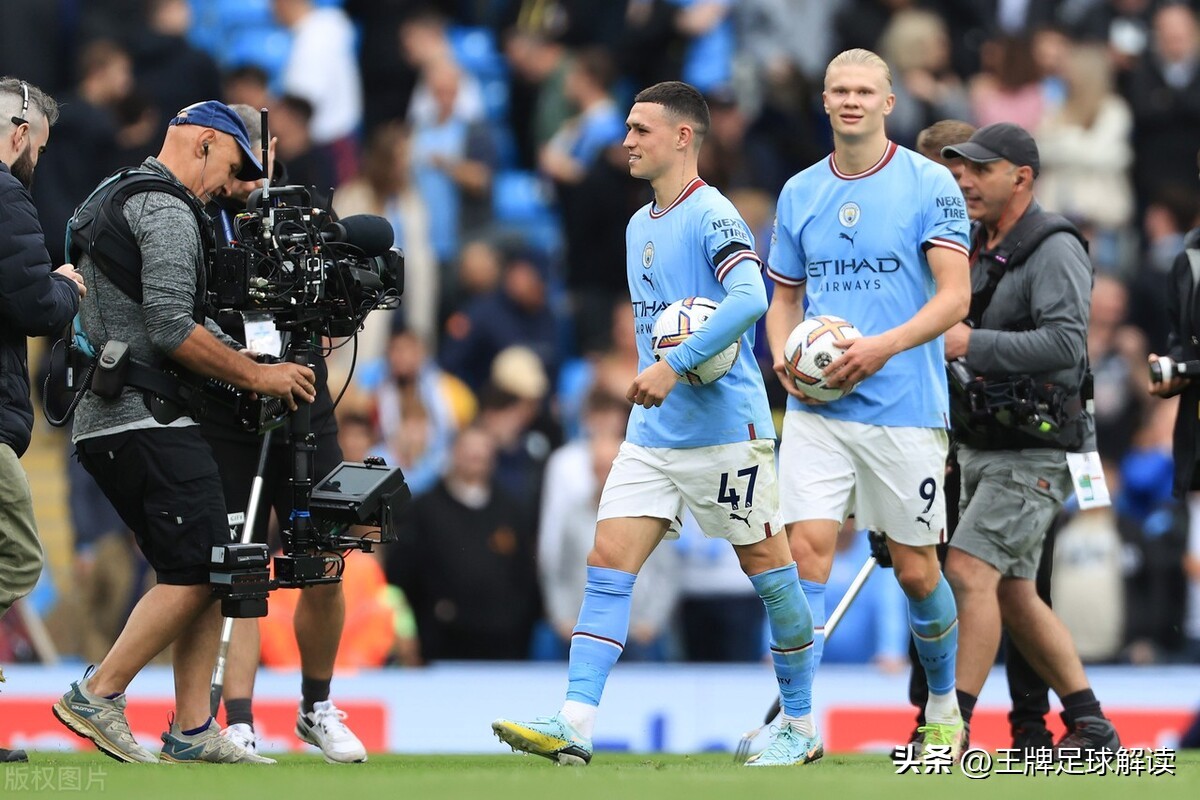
803	725
581	716
942	708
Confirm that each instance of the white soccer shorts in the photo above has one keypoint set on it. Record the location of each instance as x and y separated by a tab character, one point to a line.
890	478
731	489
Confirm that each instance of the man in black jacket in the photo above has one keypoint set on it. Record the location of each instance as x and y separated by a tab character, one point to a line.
35	300
1183	344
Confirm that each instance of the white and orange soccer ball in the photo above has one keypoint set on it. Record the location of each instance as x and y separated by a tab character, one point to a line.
680	320
810	349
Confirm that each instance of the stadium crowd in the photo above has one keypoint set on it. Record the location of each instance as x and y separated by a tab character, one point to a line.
488	133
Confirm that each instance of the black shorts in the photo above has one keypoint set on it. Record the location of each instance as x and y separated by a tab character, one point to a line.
237	461
164	484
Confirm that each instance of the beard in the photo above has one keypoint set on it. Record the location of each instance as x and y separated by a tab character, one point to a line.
22	167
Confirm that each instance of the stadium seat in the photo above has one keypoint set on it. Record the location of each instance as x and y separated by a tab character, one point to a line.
476	52
235	14
264	47
519	196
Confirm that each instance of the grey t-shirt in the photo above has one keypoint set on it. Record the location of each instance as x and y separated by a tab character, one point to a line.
172	257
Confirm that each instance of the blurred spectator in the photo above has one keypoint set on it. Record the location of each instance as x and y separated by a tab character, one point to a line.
1008	88
479	269
513	409
1117	355
32	43
248	85
610	371
416	417
1123	25
916	46
515	313
1088	590
290	118
1155	536
465	561
786	125
85	140
651	46
861	23
1084	146
538	104
387	77
167	68
591	190
1051	46
385	187
707	26
732	158
597	124
424	44
770	38
452	162
322	69
874	629
1170	215
575	475
1164	92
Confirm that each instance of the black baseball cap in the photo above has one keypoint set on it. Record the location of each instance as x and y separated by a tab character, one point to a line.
220	117
1002	140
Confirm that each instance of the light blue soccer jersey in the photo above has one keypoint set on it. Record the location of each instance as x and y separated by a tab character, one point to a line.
857	244
684	250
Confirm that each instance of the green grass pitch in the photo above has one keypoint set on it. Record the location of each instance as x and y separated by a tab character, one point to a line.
609	777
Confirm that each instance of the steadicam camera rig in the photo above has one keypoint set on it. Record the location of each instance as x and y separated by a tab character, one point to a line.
309	275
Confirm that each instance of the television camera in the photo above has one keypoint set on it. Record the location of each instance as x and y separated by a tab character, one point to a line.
308	275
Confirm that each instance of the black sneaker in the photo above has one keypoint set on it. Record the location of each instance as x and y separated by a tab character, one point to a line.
1090	735
12	756
1031	737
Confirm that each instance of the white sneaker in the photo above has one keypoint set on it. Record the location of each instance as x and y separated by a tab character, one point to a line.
324	728
242	735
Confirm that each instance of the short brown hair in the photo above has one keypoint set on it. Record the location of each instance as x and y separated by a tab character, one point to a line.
942	133
681	100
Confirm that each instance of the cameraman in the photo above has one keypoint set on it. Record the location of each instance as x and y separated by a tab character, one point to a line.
35	300
322	609
1031	283
162	478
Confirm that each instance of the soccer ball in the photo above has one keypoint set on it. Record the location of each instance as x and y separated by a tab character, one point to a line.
809	350
676	323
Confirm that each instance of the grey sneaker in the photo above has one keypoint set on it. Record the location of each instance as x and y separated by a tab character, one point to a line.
102	721
206	746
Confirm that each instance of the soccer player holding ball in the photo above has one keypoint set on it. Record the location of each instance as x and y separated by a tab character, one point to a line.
875	235
707	446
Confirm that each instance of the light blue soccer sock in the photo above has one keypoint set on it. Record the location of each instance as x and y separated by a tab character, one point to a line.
791	636
934	623
814	593
599	636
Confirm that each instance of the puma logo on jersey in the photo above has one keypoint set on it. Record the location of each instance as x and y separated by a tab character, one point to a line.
928	523
646	278
848	237
745	519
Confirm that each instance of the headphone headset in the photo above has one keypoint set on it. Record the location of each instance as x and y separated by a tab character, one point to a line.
206	149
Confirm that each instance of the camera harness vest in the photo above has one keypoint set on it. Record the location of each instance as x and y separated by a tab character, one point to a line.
98	228
1033	228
